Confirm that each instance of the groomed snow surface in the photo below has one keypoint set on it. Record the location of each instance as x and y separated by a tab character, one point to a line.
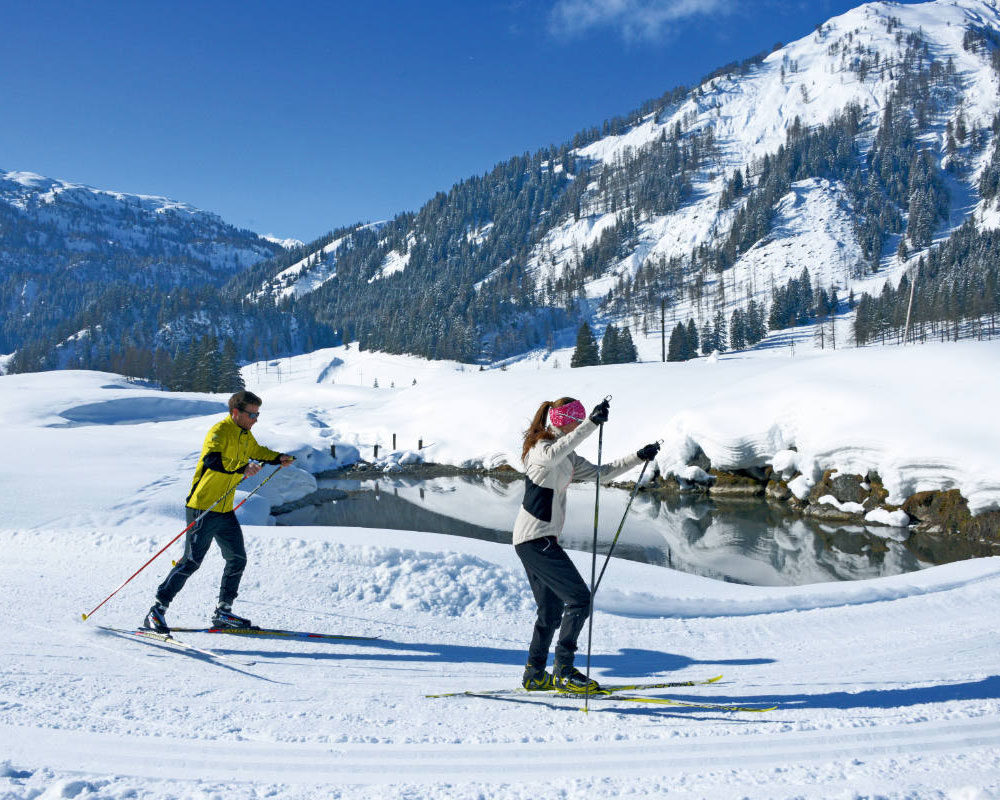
885	688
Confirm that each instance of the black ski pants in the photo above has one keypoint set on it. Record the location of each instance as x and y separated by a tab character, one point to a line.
562	597
225	529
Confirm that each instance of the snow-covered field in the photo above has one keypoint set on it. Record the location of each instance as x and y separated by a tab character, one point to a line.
885	688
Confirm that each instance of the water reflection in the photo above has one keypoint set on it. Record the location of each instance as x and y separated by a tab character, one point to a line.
742	541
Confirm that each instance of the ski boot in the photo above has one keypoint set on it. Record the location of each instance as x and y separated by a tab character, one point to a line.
224	618
570	679
156	619
536	679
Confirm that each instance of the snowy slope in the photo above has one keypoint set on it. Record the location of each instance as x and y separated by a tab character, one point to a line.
80	220
309	273
885	687
809	80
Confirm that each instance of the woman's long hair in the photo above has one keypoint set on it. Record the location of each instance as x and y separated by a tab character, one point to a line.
539	428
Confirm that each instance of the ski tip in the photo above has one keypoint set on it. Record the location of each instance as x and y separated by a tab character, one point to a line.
716	679
84	617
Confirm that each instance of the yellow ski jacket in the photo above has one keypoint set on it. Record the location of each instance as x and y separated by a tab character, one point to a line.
227	450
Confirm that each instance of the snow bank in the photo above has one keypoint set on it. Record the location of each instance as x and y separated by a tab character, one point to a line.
449	584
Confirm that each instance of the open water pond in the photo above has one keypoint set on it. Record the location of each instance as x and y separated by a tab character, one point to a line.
745	541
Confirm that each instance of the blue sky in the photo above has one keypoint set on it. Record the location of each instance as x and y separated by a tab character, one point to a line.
295	118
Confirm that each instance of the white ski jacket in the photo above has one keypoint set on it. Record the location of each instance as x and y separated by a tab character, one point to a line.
549	469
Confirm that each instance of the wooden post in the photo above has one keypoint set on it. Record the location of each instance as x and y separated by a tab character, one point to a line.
394	442
333	450
376	451
420	444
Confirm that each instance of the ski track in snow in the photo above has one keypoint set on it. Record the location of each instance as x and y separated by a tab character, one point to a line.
855	709
394	764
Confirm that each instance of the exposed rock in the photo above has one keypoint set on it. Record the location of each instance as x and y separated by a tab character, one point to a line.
664	484
699	459
877	493
506	470
829	512
938	511
821	487
777	490
947	512
740	483
847	488
984	527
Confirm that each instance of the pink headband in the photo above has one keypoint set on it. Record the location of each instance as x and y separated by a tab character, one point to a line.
563	415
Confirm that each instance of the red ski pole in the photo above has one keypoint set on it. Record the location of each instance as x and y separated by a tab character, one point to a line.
179	535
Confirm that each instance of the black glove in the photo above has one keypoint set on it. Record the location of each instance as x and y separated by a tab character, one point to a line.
600	413
648	453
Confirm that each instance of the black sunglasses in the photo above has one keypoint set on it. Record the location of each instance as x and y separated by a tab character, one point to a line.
251	414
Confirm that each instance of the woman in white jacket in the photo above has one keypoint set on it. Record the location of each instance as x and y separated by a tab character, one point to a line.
563	598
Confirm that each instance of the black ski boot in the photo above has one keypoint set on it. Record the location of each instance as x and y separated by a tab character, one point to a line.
570	679
536	679
156	619
224	618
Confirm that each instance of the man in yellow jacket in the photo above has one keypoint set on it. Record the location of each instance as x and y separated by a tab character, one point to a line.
229	455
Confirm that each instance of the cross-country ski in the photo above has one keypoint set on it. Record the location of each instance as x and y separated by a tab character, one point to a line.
606	688
275	633
171	643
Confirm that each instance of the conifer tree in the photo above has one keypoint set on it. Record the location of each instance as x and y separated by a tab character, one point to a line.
755	328
692	340
719	331
230	379
627	353
678	347
586	353
737	330
707	338
207	373
609	346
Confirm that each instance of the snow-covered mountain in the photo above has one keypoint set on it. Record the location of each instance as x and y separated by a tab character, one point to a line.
645	210
308	273
51	226
86	273
855	58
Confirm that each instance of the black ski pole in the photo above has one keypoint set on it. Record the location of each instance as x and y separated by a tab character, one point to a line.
593	558
621	525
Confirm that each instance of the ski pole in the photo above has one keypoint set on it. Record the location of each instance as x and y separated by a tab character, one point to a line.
620	526
179	535
593	557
